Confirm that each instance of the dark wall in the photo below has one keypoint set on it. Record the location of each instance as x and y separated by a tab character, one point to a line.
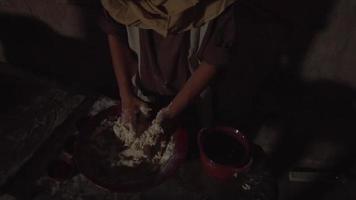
283	46
57	40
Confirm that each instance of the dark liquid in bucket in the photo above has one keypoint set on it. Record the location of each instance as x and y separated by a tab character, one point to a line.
224	149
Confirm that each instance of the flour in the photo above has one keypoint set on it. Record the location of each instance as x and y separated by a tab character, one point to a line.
124	132
167	154
134	155
101	104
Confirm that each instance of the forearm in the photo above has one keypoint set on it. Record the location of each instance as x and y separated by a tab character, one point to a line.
192	88
120	62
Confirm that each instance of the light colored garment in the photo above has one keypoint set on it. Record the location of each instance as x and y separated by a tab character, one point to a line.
196	39
165	16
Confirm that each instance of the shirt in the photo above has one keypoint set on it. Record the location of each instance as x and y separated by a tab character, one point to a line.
165	61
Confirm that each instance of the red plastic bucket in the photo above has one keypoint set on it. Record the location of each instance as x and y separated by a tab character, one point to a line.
224	152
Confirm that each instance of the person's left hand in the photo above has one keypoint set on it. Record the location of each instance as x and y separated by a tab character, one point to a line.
163	115
166	119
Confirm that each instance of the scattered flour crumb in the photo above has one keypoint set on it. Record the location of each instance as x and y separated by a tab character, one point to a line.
246	186
101	104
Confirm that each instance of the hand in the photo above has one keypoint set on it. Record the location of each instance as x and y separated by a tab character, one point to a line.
166	119
132	108
161	121
163	114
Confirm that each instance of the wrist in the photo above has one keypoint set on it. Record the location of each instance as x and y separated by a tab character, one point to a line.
171	111
126	97
125	89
